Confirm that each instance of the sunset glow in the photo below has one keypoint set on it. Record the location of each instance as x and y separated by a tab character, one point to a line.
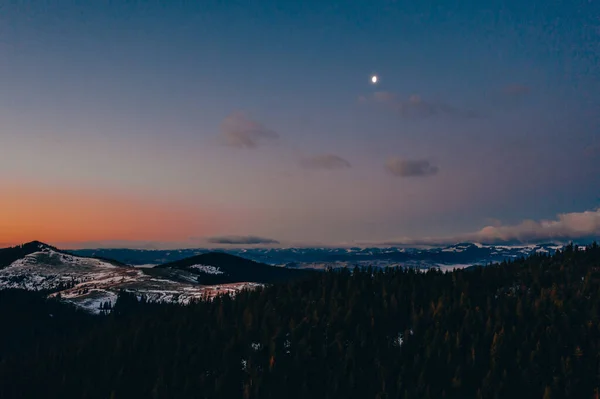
73	217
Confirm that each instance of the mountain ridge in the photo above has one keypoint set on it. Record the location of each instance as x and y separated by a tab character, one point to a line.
220	267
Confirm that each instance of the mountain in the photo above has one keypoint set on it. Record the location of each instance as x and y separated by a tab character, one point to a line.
84	281
92	282
458	255
38	266
12	254
220	268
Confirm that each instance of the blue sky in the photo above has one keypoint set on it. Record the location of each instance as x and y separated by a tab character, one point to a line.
261	117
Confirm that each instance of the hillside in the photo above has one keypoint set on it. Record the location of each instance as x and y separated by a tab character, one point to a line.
12	254
220	268
523	329
93	283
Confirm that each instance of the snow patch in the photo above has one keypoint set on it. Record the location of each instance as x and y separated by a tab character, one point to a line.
256	346
207	269
453	249
399	340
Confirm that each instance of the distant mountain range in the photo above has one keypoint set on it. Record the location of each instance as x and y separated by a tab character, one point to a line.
93	281
458	255
93	278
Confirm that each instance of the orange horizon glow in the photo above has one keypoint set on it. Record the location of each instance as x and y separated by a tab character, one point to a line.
61	215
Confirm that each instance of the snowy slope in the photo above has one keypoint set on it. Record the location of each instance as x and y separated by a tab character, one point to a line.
48	269
89	282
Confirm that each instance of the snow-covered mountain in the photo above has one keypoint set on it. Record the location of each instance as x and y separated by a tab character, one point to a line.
91	282
458	255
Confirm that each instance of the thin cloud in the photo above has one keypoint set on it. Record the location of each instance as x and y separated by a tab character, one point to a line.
325	161
239	131
410	168
415	106
565	227
241	240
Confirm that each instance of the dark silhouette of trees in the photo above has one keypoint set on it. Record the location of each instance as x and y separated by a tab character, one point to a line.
528	328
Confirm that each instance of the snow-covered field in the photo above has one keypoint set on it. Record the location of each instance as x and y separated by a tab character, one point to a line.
90	283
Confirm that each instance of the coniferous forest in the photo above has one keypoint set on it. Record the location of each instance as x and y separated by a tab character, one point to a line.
524	329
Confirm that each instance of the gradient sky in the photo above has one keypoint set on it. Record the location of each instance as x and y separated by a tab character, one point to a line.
171	123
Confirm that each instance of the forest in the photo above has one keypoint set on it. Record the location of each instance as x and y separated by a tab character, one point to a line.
527	328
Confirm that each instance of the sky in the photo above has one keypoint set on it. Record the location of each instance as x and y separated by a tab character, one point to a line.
186	124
